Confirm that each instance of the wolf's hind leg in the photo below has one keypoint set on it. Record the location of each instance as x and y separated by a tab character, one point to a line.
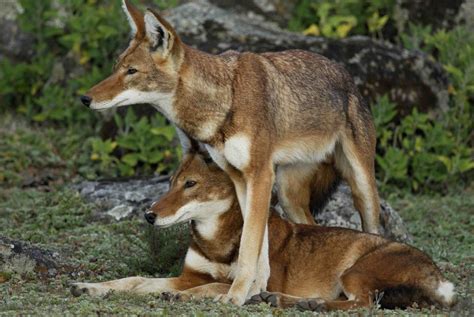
304	189
357	168
294	191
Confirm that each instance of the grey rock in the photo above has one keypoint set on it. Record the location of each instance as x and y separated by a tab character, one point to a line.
134	196
111	198
14	43
466	14
21	258
340	212
120	199
120	212
408	77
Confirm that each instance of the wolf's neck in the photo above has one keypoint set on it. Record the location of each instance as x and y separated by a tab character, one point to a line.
218	237
204	94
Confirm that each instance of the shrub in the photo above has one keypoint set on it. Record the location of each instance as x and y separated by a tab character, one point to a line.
432	152
420	153
141	146
339	18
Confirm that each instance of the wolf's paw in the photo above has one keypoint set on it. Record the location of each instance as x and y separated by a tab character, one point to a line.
78	289
264	297
226	299
171	297
312	304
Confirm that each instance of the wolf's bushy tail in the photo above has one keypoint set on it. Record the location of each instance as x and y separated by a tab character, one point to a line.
424	295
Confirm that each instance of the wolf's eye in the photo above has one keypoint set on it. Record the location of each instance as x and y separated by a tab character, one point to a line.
189	184
131	71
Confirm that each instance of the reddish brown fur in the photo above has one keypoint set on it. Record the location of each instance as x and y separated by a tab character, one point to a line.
311	266
291	108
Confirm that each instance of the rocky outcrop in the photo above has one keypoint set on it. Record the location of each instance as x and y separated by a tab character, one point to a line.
409	78
117	200
123	199
19	257
340	212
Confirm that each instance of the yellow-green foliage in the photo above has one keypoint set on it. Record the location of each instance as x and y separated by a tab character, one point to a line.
340	18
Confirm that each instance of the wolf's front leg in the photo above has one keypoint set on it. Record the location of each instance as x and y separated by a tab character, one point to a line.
253	261
211	290
136	284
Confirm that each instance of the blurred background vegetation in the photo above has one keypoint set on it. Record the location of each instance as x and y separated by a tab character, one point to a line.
421	152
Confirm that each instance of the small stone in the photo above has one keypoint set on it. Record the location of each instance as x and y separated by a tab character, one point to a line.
134	196
119	212
89	188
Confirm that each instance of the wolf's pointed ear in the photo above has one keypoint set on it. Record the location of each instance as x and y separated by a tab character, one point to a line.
184	140
134	17
159	32
190	145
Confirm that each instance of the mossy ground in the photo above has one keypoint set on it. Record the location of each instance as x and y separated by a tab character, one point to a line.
57	218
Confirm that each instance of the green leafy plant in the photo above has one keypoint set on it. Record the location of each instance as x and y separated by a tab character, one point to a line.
419	153
339	18
141	145
414	39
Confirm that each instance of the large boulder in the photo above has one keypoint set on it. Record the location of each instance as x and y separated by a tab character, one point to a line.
117	200
410	78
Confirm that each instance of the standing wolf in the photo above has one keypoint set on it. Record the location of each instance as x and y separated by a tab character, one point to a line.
294	111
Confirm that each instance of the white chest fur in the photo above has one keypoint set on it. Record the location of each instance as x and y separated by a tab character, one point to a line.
235	151
219	271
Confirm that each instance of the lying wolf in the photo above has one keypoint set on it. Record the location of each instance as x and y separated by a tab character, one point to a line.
313	267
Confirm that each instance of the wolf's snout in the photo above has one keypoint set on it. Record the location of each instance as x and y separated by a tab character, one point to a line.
86	100
150	217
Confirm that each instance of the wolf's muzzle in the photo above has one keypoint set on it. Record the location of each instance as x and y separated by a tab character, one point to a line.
86	100
150	217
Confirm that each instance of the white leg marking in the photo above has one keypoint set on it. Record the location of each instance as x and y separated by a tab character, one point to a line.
237	151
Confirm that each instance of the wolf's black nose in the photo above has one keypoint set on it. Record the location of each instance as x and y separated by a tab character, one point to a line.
150	217
86	100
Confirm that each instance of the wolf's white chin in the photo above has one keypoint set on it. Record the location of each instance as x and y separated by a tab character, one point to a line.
162	101
102	106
